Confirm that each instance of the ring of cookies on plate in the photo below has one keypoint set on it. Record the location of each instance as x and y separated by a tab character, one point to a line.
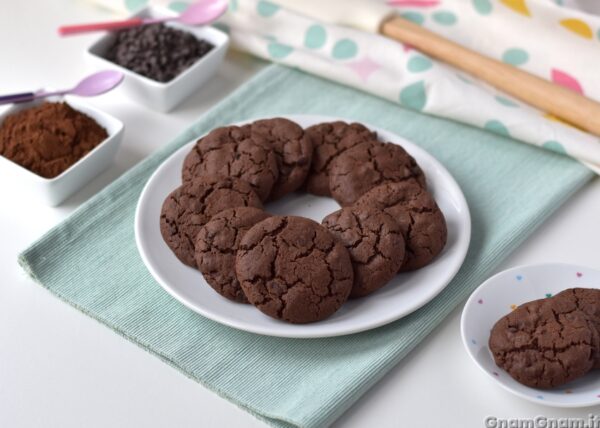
292	268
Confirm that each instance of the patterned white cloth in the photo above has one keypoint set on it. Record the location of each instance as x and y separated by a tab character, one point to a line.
540	36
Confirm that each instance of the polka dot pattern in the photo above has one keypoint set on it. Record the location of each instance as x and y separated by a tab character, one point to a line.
515	56
135	5
483	7
178	6
415	17
279	50
555	146
371	66
266	9
414	96
578	27
444	18
563	78
497	127
418	64
344	49
519	6
315	37
506	101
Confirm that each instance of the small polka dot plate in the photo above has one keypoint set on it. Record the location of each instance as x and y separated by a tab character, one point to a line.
503	293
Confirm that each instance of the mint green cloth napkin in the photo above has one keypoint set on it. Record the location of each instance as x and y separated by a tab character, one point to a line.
91	260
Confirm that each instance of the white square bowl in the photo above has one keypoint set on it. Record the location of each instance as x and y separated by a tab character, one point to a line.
158	95
52	191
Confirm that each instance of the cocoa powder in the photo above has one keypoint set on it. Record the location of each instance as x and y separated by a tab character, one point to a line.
49	138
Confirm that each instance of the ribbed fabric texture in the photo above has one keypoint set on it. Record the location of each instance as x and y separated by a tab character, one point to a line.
91	260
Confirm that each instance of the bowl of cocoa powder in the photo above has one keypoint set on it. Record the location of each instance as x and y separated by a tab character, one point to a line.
163	63
50	149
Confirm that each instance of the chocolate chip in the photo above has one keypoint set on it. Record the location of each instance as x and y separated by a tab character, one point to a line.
157	51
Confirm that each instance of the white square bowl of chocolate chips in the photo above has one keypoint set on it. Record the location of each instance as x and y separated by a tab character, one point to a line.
163	63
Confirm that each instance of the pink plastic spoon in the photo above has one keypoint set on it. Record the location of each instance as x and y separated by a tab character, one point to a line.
197	13
94	84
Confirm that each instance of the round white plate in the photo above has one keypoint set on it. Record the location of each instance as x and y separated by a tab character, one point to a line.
497	296
402	296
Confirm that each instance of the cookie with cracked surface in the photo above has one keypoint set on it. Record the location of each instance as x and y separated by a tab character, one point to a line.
292	148
367	165
192	204
331	139
293	269
375	243
216	246
233	151
422	222
587	300
544	343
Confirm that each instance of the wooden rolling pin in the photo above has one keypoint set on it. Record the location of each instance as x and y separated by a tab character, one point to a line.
546	96
377	17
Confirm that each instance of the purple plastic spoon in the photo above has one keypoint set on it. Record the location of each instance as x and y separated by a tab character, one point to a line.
198	13
94	84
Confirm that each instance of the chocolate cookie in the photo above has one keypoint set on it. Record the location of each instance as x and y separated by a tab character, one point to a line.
544	343
588	301
234	151
422	222
216	246
367	165
331	139
292	269
192	204
292	148
375	243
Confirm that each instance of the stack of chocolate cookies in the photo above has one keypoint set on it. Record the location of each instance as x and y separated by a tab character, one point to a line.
292	268
549	342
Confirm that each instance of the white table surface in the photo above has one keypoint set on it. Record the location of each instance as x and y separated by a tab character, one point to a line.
59	368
